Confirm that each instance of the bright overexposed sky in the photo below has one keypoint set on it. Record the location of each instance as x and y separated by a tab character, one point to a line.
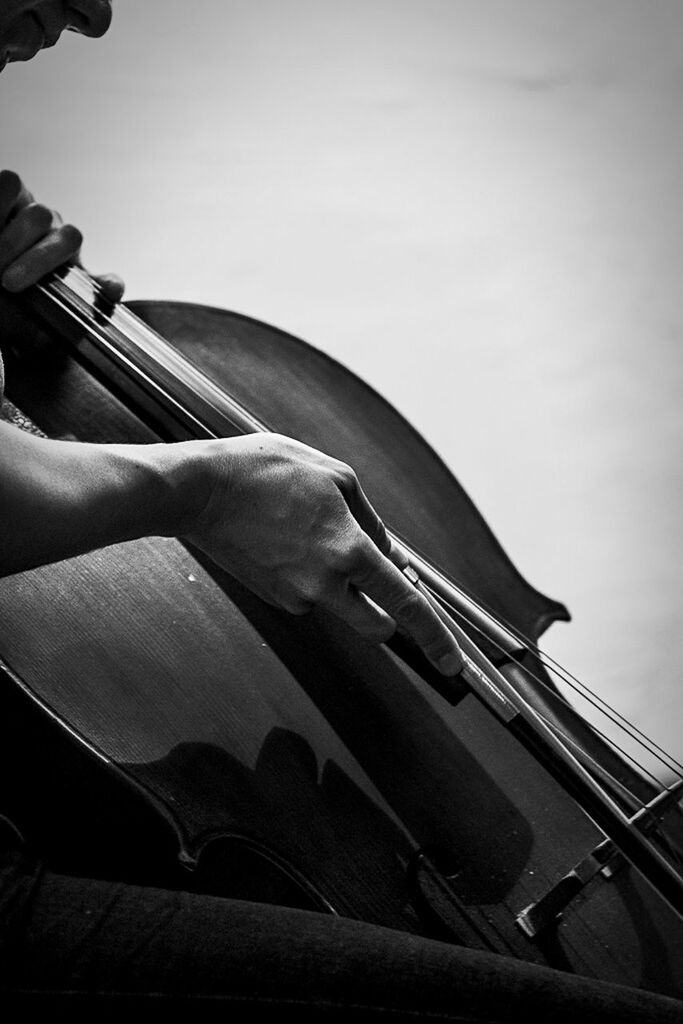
474	204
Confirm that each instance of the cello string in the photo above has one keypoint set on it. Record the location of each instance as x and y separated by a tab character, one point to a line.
565	675
618	720
558	730
668	845
611	714
590	696
576	684
655	807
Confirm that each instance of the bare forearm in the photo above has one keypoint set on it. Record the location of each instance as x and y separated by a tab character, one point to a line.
63	498
288	521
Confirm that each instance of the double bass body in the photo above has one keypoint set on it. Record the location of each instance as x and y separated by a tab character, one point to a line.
223	745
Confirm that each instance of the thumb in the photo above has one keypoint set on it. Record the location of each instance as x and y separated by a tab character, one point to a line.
112	286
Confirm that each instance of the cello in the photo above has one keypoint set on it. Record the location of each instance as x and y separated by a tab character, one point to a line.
219	740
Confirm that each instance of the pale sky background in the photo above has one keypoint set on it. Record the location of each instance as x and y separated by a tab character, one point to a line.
474	204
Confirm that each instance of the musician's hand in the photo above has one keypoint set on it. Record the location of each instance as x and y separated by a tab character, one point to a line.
295	527
34	240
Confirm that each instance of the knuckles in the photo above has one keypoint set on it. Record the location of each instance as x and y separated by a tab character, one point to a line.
353	556
347	479
343	561
311	592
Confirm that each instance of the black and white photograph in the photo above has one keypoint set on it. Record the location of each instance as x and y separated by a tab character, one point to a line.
341	510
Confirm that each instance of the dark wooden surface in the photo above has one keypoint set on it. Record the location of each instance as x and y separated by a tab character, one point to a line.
234	717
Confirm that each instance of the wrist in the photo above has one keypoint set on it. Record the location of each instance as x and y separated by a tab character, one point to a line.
64	498
170	485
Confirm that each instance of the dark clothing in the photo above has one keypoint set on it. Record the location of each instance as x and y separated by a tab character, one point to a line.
101	949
